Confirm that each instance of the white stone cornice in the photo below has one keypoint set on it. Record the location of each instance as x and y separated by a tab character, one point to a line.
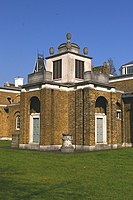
11	91
121	79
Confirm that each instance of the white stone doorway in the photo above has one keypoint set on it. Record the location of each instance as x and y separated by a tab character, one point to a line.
100	128
35	128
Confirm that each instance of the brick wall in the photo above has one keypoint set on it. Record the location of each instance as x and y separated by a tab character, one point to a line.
15	98
53	115
8	117
85	135
8	120
128	121
70	112
124	85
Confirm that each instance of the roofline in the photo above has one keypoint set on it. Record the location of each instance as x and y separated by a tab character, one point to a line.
66	52
116	78
72	43
68	85
126	64
127	95
11	88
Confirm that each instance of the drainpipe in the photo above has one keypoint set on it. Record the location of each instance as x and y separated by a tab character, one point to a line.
83	115
75	120
111	121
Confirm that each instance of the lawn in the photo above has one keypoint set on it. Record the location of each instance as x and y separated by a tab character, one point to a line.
29	175
5	143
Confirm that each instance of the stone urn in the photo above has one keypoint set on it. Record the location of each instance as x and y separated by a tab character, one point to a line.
67	143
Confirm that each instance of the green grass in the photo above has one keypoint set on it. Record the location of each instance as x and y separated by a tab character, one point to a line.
30	175
5	143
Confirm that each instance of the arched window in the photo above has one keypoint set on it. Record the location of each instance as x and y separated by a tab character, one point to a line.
118	110
18	122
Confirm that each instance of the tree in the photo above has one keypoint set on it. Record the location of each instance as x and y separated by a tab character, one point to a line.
112	67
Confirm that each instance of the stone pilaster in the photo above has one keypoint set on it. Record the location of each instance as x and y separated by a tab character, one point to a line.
113	119
92	117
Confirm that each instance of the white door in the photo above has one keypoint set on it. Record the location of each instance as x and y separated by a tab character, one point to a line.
100	128
35	128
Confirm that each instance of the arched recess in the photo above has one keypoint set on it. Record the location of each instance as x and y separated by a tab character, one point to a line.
34	120
34	105
17	120
101	105
101	120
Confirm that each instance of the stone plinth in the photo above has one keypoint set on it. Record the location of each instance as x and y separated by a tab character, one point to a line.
15	140
67	146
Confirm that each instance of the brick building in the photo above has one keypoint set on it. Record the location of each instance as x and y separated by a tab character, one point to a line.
66	95
10	109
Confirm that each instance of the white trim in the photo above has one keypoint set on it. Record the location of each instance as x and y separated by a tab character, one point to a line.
58	147
50	86
118	114
114	146
10	90
127	144
84	147
13	104
34	89
121	79
9	105
86	86
5	138
23	90
92	86
102	116
105	89
32	116
58	87
29	146
40	147
67	89
113	90
50	147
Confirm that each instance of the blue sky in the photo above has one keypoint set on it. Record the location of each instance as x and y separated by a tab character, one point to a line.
31	26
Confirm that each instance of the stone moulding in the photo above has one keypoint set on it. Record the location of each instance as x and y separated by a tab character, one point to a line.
40	147
6	138
71	148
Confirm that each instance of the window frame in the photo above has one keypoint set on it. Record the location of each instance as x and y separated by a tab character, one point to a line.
18	122
79	69
129	69
118	114
57	69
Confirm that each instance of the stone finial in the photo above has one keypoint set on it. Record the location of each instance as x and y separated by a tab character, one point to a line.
68	36
68	44
51	50
85	50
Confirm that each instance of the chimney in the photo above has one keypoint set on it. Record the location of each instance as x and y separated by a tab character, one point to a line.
18	81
